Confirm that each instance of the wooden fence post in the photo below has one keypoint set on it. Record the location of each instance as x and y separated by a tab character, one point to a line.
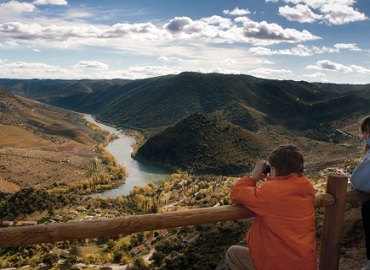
333	223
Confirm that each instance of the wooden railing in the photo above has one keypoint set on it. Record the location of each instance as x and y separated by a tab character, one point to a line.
334	201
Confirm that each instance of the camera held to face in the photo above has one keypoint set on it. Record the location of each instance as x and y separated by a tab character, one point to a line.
266	168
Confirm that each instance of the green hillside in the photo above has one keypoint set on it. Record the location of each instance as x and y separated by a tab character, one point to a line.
76	95
243	100
204	144
151	105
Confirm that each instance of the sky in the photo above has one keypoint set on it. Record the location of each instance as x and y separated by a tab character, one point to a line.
309	40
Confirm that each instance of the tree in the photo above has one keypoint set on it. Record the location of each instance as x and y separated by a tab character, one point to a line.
110	245
50	210
158	257
167	246
75	250
50	258
117	257
140	264
140	237
70	261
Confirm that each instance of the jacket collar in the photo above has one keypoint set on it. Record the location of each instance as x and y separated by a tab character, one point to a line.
285	177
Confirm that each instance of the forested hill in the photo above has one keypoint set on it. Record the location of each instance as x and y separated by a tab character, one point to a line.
156	103
204	144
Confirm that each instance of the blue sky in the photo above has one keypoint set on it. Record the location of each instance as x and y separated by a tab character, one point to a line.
310	40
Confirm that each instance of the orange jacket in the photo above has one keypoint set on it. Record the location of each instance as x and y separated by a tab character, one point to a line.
282	236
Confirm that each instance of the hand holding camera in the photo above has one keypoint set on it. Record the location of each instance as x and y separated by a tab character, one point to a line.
261	169
266	168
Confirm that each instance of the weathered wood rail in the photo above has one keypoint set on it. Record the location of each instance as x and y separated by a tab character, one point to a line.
334	201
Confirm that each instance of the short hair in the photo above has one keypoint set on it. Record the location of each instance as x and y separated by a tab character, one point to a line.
287	159
365	126
365	123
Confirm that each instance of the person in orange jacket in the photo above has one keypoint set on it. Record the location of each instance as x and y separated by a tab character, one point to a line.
282	236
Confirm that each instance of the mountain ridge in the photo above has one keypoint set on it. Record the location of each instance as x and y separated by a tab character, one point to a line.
309	114
151	105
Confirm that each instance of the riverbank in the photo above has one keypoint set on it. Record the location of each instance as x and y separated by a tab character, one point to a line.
138	173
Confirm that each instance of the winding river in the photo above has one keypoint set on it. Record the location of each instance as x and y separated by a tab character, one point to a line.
138	174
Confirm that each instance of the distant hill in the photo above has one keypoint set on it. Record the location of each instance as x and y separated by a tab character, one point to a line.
204	144
308	109
151	105
49	90
47	122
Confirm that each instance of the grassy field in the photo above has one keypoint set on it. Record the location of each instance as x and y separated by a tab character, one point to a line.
17	136
8	187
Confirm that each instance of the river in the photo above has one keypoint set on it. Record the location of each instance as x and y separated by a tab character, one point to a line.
138	174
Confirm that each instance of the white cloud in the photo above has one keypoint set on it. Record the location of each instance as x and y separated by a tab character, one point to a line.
223	30
228	62
213	29
177	24
78	14
52	33
10	43
317	4
317	75
32	70
242	20
260	51
29	70
137	30
222	23
51	2
237	12
269	71
176	60
16	7
148	71
302	50
299	13
338	14
330	11
349	46
360	70
329	65
274	32
91	65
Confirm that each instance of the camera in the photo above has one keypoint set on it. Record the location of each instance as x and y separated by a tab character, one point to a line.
266	168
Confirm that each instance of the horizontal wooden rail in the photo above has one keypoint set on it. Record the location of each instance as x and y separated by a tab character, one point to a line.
49	233
333	200
54	232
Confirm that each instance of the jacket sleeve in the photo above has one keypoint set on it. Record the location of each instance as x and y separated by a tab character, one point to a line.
247	194
360	178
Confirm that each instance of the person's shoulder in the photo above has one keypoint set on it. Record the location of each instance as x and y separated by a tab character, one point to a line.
300	179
